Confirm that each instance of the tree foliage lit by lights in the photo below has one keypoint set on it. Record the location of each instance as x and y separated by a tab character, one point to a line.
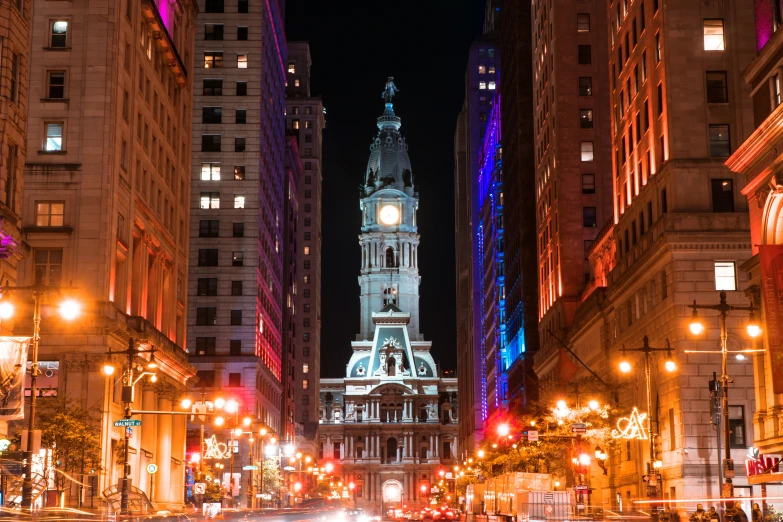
559	406
73	434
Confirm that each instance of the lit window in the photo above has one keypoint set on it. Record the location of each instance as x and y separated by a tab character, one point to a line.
213	59
482	69
720	142
491	69
713	35
587	151
210	172
305	384
54	136
491	86
307	250
59	34
295	124
296	82
210	200
239	173
725	276
242	61
239	201
291	68
49	214
482	85
305	368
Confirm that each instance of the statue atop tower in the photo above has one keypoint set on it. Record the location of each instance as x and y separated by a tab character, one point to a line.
390	90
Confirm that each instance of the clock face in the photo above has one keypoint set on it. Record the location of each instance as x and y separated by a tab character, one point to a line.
390	215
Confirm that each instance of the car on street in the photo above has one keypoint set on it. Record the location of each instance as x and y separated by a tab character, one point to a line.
443	513
415	516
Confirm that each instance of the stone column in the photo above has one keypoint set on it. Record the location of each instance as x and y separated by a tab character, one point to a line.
163	492
178	435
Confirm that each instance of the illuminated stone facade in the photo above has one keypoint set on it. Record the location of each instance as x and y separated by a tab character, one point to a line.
105	211
390	424
680	233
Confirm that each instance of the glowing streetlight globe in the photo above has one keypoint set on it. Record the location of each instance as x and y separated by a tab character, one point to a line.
186	404
561	405
584	459
503	430
625	367
220	403
6	310
593	405
70	309
670	365
108	369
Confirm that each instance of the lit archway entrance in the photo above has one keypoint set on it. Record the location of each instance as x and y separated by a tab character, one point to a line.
772	220
391	492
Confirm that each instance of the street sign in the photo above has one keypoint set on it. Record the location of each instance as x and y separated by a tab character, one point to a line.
199	488
127	422
582	487
532	435
152	469
549	509
578	428
250	467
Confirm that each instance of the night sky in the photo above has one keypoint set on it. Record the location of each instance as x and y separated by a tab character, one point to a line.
355	45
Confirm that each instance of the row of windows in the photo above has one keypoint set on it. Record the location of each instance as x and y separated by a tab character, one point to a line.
214	87
214	60
211	228
215	115
211	200
207	315
216	6
215	32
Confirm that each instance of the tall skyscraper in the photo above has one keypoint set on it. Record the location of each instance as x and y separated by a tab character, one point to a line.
106	186
237	227
481	83
573	182
293	172
305	120
519	264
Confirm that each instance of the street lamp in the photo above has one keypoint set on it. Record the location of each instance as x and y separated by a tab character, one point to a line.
754	330
600	458
129	381
670	366
69	310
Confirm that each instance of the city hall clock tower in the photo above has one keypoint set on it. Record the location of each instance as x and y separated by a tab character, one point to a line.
389	241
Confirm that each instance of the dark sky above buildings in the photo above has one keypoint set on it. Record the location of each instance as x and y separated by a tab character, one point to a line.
355	45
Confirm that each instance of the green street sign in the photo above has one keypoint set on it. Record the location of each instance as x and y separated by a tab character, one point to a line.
250	467
126	422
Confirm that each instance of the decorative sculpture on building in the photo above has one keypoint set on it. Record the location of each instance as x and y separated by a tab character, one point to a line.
390	90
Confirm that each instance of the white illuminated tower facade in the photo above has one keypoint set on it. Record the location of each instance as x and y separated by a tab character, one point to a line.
389	238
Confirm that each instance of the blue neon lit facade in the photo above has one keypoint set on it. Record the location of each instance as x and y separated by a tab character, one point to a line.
492	279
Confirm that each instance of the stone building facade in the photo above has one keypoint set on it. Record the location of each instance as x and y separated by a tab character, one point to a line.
15	19
105	214
757	161
680	234
390	424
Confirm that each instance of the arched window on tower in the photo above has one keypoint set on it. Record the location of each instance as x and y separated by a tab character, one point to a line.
391	259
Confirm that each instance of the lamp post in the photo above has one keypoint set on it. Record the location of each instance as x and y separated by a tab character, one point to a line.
754	330
69	310
670	366
129	381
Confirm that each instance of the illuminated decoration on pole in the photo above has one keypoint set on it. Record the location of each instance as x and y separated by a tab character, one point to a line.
631	427
216	450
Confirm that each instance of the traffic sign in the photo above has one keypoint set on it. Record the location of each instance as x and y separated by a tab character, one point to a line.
254	467
152	469
578	428
582	487
532	435
199	488
549	509
127	422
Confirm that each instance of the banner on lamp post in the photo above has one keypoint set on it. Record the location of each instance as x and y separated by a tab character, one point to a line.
13	366
771	260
